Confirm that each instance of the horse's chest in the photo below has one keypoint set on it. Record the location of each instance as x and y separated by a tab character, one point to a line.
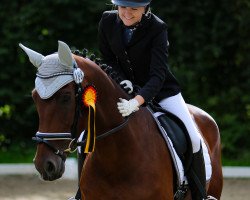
111	186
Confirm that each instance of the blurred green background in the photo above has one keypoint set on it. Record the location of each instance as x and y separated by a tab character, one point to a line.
209	47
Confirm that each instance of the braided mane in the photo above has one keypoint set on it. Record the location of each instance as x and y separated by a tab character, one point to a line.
106	68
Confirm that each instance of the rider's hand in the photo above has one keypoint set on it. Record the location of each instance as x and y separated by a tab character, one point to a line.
127	84
126	107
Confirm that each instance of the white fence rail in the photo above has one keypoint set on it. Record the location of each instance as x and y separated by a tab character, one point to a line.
71	170
24	169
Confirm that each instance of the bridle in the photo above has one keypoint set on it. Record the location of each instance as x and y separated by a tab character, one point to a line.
45	138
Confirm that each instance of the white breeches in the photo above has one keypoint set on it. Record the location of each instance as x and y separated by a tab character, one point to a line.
177	106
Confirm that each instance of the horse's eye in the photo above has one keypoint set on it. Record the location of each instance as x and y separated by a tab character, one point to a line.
64	99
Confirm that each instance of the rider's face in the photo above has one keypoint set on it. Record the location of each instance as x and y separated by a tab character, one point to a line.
130	16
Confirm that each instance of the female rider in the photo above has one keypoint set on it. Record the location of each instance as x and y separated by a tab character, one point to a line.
135	43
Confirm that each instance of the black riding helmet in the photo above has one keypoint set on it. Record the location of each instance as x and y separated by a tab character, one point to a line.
131	3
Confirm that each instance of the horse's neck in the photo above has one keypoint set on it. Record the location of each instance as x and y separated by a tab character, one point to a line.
111	149
120	143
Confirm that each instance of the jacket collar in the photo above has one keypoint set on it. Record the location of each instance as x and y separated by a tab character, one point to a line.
139	33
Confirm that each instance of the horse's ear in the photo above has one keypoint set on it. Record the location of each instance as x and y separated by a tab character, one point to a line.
35	58
64	54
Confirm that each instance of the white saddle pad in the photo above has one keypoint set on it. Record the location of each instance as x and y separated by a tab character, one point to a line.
176	160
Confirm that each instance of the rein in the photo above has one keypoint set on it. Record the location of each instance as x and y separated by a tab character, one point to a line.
46	137
108	133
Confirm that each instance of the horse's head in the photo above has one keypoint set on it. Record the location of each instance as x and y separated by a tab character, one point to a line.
55	96
58	97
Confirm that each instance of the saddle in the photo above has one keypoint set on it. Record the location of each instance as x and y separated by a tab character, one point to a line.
174	132
176	136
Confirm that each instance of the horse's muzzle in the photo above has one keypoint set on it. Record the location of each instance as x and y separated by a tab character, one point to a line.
51	170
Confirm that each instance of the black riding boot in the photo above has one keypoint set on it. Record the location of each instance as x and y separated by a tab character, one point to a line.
197	176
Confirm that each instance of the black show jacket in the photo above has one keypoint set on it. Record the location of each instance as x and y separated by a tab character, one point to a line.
144	61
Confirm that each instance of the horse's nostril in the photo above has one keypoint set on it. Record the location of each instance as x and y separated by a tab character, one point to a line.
50	167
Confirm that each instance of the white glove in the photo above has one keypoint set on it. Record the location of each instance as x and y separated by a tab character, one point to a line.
126	107
127	84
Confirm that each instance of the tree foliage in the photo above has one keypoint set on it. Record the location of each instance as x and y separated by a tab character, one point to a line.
209	42
208	51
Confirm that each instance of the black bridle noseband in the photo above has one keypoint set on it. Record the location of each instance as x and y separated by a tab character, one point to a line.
46	137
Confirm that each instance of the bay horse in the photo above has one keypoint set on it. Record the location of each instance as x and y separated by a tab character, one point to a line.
133	163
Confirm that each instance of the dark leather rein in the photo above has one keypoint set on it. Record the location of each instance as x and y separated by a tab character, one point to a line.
45	138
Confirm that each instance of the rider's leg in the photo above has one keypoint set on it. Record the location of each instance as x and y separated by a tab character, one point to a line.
178	107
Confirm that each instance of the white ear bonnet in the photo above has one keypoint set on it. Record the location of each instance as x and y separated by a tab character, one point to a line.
54	71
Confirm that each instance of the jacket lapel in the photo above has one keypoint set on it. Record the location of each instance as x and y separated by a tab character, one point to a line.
118	37
140	32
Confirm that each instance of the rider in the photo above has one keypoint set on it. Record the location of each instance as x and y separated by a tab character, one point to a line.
134	42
